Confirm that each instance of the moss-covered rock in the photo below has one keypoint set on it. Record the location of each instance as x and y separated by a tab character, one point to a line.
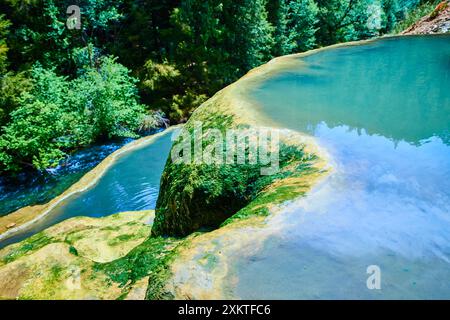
197	196
150	259
114	257
84	258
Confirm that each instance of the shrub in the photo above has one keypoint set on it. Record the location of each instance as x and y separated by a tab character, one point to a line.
59	115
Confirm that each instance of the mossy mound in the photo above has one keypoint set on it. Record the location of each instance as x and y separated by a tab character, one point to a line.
235	200
198	196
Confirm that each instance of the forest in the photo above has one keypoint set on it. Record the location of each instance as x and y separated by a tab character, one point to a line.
128	66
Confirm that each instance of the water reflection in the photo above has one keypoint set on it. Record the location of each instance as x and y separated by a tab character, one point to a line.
397	88
383	113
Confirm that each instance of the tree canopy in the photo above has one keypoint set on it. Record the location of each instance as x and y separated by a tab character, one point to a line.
62	88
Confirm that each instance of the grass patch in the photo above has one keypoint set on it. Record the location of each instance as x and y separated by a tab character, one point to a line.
31	244
123	238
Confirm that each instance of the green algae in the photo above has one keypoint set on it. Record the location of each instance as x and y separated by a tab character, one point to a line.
29	245
149	259
59	263
123	237
73	250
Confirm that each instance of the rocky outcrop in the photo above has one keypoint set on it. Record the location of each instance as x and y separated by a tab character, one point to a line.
197	196
437	21
70	260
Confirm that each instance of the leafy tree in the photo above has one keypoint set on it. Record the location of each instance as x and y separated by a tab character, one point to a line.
251	34
391	11
278	11
4	26
302	20
41	32
12	85
4	29
145	33
295	25
221	40
33	138
163	87
108	99
181	106
342	20
59	115
159	80
216	42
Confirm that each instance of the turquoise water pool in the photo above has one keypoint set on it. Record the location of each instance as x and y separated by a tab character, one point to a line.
382	111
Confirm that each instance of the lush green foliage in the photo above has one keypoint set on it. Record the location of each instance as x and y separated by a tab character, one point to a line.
12	85
203	196
4	28
58	91
58	115
195	196
211	44
295	25
41	32
222	39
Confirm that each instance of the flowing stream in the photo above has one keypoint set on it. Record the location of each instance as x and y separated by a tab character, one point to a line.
130	184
